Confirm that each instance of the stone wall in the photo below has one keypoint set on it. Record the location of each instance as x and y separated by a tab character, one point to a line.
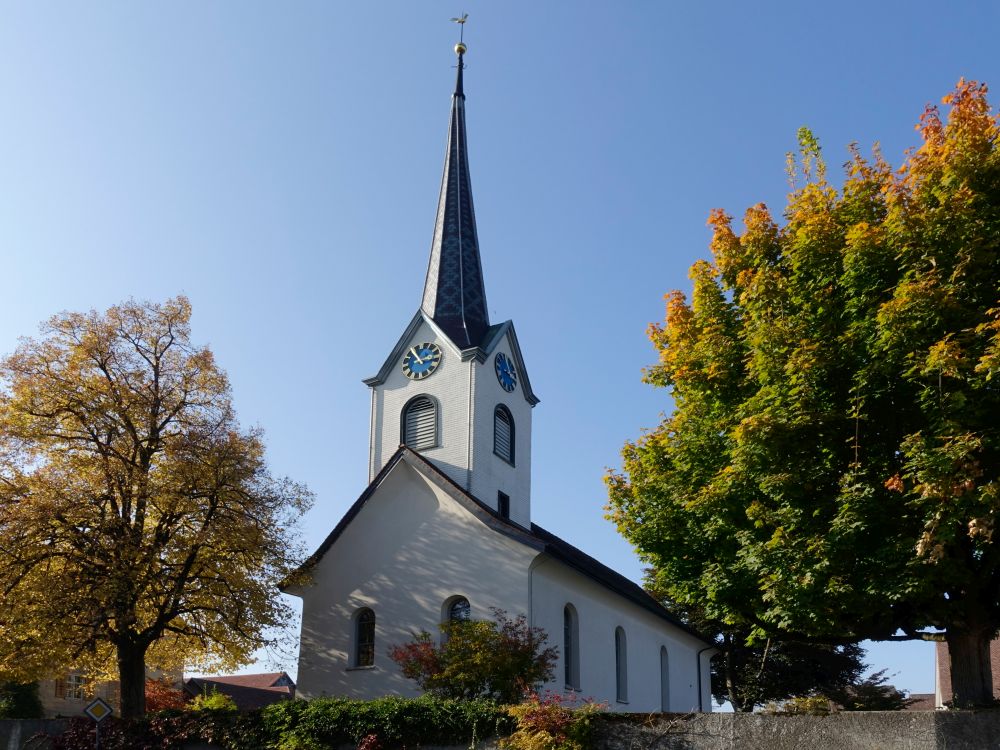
876	730
14	733
884	730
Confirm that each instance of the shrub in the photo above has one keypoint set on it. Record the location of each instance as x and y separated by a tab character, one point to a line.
501	660
551	723
384	722
215	702
20	701
161	695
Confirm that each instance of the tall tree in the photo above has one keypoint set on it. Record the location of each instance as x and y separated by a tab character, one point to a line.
832	466
750	673
138	522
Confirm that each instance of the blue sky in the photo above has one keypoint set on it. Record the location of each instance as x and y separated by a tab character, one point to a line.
279	164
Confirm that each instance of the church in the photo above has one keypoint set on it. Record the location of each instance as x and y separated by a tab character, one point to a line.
443	530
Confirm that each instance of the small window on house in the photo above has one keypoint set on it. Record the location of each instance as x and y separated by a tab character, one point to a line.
420	423
503	433
459	610
75	687
364	638
571	647
503	504
621	666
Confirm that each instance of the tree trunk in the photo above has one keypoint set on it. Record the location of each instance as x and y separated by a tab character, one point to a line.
132	679
971	675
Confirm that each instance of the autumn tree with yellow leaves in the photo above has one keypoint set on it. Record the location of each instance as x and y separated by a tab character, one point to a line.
832	466
139	525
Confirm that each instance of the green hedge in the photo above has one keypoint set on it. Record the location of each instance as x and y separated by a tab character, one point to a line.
320	724
329	722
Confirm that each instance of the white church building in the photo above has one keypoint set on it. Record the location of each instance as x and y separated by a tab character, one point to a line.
444	529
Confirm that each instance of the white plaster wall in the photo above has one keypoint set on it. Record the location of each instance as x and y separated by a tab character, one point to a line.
409	549
490	472
600	611
450	385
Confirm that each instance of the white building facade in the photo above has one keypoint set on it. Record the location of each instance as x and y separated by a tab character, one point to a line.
444	529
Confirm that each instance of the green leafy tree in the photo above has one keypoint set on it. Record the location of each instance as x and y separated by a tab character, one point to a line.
751	673
139	524
19	700
874	693
501	659
831	470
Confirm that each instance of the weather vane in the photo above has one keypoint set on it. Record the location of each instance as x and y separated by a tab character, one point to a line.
461	22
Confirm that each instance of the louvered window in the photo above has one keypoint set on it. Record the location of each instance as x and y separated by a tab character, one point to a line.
503	434
420	424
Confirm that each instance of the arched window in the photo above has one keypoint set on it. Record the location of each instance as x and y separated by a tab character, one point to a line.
459	610
571	647
420	423
364	638
503	433
621	666
664	680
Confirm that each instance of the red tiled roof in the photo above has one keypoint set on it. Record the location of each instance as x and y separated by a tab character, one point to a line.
260	680
920	702
246	691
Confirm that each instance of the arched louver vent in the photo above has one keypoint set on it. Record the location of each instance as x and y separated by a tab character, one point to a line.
503	434
420	424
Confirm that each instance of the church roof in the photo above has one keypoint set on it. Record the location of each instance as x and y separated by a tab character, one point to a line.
535	537
454	292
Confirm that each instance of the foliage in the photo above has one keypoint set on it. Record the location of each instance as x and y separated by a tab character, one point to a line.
155	733
19	700
391	721
871	694
212	700
831	470
749	676
502	659
128	487
301	725
551	723
161	695
751	673
807	705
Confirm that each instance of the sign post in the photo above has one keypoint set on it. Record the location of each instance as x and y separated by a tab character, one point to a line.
98	710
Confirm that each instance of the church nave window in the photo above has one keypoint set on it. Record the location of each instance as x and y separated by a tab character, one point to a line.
364	638
420	423
621	666
503	433
459	610
571	647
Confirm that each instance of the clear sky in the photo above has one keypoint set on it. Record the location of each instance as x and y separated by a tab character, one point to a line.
279	163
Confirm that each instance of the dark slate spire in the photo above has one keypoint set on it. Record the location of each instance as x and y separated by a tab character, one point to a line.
454	294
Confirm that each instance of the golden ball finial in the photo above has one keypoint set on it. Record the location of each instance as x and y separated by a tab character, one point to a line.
460	48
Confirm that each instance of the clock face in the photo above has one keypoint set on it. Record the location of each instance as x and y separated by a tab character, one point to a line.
506	373
421	361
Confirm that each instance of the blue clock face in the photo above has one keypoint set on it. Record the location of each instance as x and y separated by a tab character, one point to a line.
421	361
506	373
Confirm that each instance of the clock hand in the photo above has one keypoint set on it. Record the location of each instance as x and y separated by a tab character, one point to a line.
413	351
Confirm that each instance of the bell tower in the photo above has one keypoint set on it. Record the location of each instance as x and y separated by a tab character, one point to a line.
455	388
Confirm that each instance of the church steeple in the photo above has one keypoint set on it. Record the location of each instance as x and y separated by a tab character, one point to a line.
454	293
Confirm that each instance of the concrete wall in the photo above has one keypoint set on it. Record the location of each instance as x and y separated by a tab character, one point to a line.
884	730
599	613
410	549
490	472
466	393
